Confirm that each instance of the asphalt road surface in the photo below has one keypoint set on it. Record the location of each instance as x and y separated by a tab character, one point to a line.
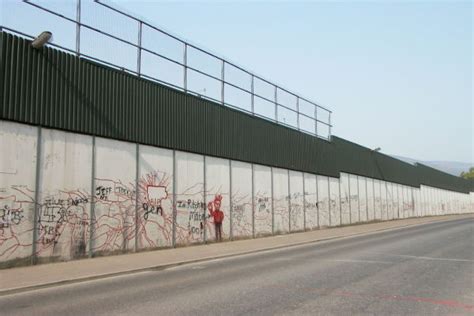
421	270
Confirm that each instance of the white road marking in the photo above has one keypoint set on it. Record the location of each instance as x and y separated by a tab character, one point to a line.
424	258
360	261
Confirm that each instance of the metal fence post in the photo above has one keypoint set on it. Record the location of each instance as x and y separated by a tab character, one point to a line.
252	89
223	81
330	127
92	202
139	49
315	120
231	232
78	27
137	172
185	65
317	202
381	202
350	199
273	206
276	104
366	200
386	199
422	200
37	197
373	196
304	203
329	199
204	219
298	112
253	201
173	241
340	201
358	198
289	202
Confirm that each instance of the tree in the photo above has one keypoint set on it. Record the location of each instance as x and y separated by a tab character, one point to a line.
469	174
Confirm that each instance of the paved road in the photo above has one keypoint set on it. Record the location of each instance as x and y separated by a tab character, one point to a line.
422	270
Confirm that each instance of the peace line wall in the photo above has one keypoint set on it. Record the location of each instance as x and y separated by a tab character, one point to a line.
58	90
100	196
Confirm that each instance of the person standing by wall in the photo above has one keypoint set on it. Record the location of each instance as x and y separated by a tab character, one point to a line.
214	208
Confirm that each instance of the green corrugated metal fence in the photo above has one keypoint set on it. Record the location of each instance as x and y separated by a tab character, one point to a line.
58	90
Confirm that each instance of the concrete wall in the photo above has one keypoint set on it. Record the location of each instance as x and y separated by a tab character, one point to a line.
155	198
65	181
242	200
218	194
324	201
18	161
296	201
115	196
310	201
362	185
93	196
262	192
370	200
280	201
353	199
378	200
344	186
335	202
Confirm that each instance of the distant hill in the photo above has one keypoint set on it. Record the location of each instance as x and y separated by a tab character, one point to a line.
452	167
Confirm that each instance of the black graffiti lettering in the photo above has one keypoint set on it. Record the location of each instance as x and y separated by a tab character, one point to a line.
77	201
196	215
196	230
9	217
49	230
17	216
151	209
63	215
103	192
121	190
50	234
190	204
48	214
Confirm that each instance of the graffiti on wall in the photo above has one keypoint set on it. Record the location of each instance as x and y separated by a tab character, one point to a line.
281	214
191	214
263	212
297	211
16	229
242	214
114	215
155	210
10	216
322	208
63	222
64	217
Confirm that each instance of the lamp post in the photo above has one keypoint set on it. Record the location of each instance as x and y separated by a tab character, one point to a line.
42	39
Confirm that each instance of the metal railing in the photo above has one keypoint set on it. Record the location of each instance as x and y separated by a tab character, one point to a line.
277	104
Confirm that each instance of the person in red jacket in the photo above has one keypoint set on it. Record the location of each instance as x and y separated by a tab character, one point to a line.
214	208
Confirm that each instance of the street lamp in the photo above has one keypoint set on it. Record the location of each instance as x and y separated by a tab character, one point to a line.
373	151
42	39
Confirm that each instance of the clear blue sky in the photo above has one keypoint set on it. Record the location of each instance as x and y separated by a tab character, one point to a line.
397	75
